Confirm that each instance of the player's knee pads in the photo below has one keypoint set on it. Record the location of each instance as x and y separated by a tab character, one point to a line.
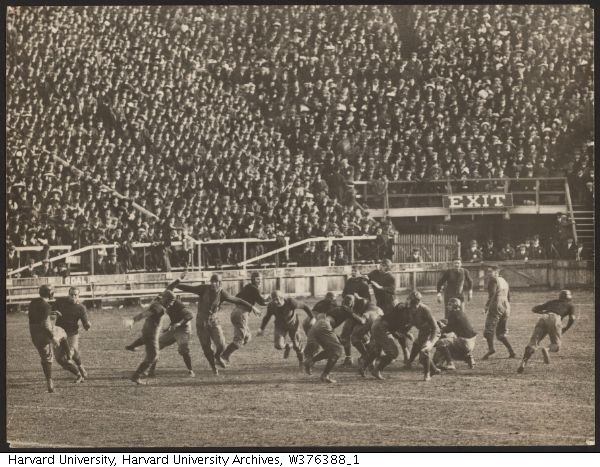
554	347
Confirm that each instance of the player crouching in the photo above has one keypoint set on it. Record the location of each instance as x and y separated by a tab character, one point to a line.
550	323
458	338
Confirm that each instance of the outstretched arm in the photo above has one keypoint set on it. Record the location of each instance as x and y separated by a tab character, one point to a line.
571	321
266	319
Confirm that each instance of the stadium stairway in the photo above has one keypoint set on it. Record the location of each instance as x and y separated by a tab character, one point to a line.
584	226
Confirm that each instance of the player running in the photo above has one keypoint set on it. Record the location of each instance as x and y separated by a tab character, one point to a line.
384	332
498	311
322	334
287	323
455	282
458	337
40	329
208	327
151	331
429	333
239	316
63	353
179	330
321	307
550	323
71	313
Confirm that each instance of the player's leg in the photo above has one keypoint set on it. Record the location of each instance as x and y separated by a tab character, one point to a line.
294	334
218	338
73	341
279	334
182	337
165	339
345	339
443	349
241	333
45	350
311	347
502	334
151	344
390	352
405	339
334	349
136	343
539	332
491	322
426	357
468	346
63	356
359	339
205	342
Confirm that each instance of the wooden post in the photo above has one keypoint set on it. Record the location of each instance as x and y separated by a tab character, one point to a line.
199	256
244	248
92	261
352	251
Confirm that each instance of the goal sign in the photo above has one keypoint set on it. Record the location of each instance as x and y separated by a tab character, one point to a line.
478	201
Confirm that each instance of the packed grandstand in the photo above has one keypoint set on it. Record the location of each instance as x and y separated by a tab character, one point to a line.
150	124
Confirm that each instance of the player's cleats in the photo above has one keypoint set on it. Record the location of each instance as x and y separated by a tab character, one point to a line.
137	380
436	371
362	370
191	374
512	355
328	379
83	371
50	385
347	362
450	366
488	354
152	374
215	371
427	378
471	362
130	348
377	374
286	351
546	355
225	359
521	368
219	361
307	366
79	379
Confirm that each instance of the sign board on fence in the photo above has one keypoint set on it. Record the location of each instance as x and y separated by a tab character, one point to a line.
73	259
478	201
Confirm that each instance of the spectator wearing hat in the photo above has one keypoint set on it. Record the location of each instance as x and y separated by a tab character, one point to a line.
473	253
522	253
507	253
489	251
535	249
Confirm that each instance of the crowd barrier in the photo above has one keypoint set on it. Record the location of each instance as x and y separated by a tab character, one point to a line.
306	281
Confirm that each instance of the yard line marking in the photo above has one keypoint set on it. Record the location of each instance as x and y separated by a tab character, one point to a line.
220	417
437	399
24	444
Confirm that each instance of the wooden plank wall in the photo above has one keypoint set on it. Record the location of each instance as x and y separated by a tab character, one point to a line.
434	247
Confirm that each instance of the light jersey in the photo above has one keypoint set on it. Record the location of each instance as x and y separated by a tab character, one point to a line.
498	290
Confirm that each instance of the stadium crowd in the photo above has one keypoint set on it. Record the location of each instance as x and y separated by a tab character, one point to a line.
254	121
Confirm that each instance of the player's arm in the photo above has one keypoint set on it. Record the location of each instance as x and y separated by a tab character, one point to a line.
258	298
540	309
266	319
492	290
227	297
433	327
301	306
46	311
147	312
195	289
441	282
85	320
187	317
571	319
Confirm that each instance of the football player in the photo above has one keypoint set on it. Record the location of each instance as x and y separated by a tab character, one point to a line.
458	337
497	309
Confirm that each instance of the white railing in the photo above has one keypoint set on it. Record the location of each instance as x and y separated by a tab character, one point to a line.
329	240
198	244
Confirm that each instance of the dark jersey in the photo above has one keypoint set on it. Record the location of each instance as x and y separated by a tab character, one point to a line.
71	313
422	318
398	318
284	314
560	307
323	306
152	324
384	297
455	281
252	295
338	315
178	312
209	299
357	285
459	324
39	317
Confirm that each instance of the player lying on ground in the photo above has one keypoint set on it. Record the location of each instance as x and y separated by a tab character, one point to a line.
179	330
239	316
550	323
429	333
455	282
208	327
384	331
62	350
458	338
151	331
71	312
287	323
498	312
322	334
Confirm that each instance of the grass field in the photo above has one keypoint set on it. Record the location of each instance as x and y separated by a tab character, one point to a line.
263	400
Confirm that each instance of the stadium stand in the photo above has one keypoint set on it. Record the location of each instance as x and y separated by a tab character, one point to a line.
254	121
